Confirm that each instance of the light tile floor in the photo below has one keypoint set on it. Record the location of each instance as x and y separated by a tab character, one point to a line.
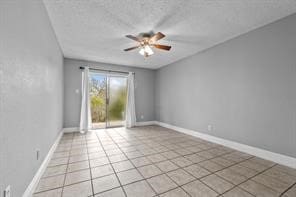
155	161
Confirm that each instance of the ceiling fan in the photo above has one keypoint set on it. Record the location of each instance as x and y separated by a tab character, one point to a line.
146	42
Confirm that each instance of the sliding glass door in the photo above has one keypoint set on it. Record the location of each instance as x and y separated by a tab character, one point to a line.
117	93
98	95
108	94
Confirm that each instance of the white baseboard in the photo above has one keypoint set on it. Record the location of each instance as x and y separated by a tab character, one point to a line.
71	129
146	123
32	186
268	155
76	129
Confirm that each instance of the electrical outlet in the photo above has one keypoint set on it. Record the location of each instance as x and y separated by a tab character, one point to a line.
7	191
210	127
37	154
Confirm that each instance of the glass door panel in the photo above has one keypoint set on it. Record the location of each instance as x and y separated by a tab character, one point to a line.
98	95
116	100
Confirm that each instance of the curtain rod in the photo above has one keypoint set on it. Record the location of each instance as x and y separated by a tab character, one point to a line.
114	71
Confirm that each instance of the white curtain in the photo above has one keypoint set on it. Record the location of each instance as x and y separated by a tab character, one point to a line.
130	105
85	115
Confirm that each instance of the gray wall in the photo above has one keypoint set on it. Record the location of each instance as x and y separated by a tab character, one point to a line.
31	91
144	91
245	88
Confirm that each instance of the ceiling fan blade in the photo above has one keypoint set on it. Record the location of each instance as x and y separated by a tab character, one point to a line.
128	49
133	38
164	47
156	37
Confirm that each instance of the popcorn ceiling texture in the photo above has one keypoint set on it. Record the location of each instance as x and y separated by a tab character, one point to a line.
95	29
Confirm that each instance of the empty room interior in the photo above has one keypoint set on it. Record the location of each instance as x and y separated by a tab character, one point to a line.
160	98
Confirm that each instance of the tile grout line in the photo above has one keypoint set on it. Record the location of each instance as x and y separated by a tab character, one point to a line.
134	166
110	163
90	171
52	176
214	172
193	163
220	156
146	142
288	189
67	166
256	181
164	173
199	179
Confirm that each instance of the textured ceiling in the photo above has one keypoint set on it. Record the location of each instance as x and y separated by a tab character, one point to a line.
94	29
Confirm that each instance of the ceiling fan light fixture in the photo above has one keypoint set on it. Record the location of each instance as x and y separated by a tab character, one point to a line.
146	51
146	42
